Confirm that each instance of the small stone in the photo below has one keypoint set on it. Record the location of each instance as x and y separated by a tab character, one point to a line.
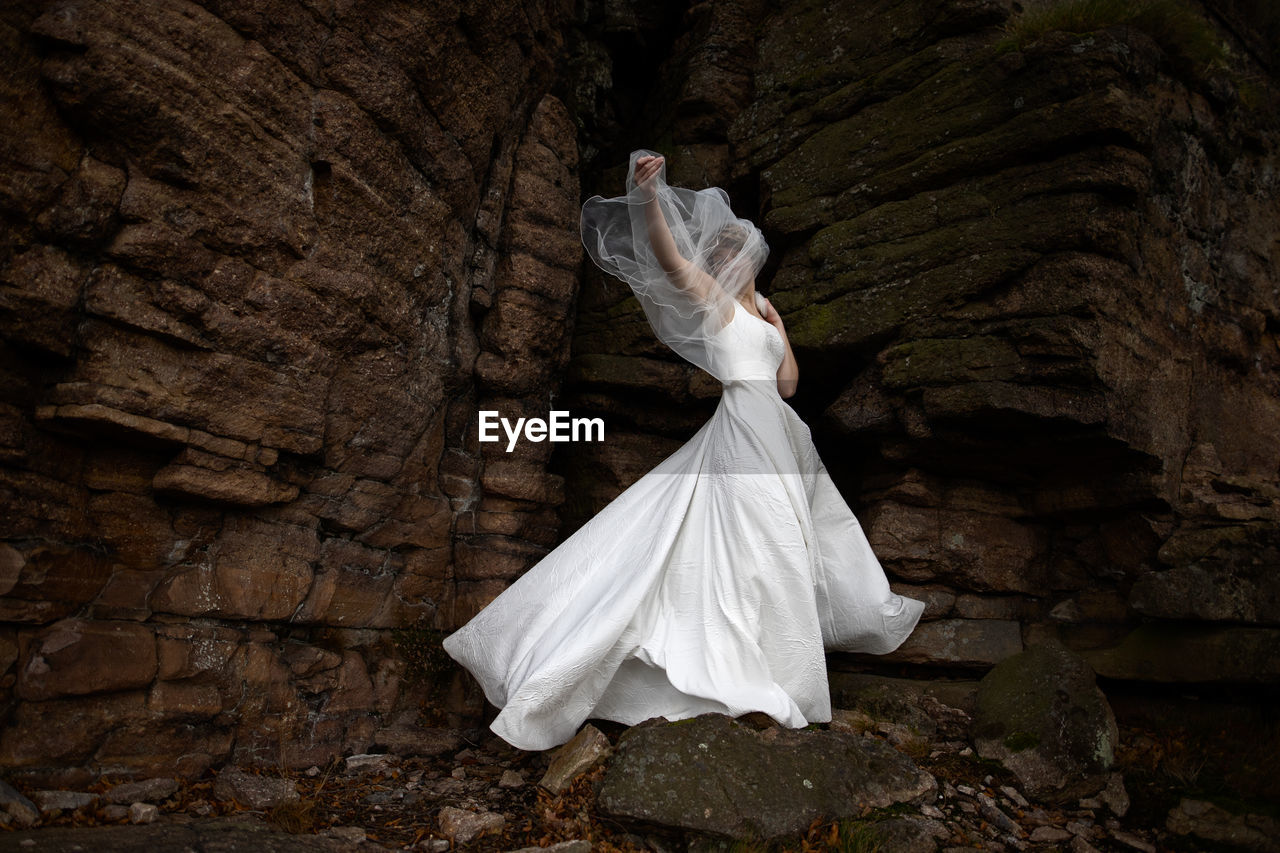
23	811
54	801
576	757
144	791
1015	842
1038	817
143	813
1115	796
349	834
1131	840
433	845
1013	794
462	826
1049	835
115	811
368	763
1080	828
312	771
511	779
459	773
1079	845
988	808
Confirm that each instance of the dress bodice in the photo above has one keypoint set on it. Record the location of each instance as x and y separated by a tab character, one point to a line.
746	348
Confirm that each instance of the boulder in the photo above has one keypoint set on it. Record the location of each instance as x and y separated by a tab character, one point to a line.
1041	714
717	776
587	749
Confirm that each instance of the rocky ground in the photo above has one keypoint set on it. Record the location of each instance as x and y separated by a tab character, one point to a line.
604	791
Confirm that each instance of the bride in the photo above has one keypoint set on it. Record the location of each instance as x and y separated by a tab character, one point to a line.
716	581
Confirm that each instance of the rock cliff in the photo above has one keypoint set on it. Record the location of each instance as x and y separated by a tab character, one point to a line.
260	266
263	263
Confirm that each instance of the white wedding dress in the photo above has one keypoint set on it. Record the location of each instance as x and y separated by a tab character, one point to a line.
713	583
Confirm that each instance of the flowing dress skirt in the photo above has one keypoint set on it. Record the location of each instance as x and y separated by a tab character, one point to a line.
714	583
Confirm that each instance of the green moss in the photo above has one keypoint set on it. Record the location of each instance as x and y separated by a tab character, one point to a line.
857	836
1018	741
942	361
886	812
1185	35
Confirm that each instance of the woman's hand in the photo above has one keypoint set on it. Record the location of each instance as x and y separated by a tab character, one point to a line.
647	169
678	268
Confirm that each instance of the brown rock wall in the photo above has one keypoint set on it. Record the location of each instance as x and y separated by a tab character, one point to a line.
251	254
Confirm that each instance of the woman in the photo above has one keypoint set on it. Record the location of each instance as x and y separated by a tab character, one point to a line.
714	582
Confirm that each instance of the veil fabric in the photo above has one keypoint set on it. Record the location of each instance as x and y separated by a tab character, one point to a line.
707	233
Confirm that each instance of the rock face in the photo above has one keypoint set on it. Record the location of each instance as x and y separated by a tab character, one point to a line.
717	776
260	264
1031	284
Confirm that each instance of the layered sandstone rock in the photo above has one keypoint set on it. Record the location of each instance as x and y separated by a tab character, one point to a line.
259	264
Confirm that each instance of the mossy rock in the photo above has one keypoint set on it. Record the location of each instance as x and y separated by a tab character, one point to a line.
714	776
1041	714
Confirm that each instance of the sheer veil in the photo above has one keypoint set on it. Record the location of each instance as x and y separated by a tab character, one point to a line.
707	233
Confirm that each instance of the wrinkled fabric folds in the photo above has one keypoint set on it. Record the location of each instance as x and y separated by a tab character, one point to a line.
713	583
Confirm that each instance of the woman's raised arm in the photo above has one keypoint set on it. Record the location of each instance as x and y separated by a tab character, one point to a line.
682	272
